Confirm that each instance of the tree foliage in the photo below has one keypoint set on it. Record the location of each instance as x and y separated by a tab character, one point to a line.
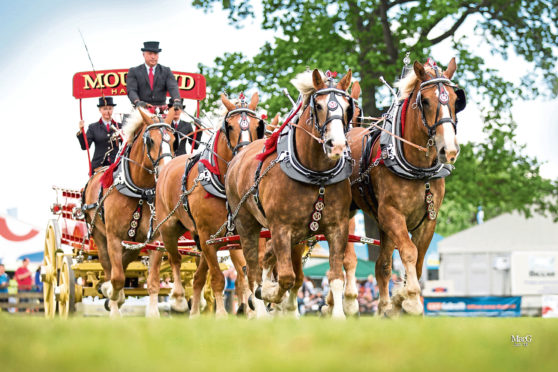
372	37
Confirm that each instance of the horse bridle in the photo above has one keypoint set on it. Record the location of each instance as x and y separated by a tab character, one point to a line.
332	105
245	114
443	100
148	142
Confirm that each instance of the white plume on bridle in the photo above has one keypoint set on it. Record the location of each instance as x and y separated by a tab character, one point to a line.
304	84
132	123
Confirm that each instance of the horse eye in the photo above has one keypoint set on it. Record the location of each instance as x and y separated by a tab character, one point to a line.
424	102
319	107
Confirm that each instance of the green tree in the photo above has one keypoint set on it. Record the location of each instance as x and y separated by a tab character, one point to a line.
372	37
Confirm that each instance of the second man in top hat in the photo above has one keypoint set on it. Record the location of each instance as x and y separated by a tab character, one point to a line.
182	128
102	134
149	82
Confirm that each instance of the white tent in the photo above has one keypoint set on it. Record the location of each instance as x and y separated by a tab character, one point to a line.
507	255
18	240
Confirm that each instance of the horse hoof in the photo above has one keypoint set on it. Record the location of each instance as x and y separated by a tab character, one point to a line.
190	303
350	306
107	307
412	307
259	293
241	311
251	303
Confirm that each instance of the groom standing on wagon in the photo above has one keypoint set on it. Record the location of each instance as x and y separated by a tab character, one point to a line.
149	82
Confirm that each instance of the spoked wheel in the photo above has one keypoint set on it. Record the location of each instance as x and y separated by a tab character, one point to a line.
67	287
48	269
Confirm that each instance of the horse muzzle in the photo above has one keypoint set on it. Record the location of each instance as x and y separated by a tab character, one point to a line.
334	150
448	154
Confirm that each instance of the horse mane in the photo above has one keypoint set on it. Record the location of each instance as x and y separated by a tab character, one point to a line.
132	123
303	83
407	84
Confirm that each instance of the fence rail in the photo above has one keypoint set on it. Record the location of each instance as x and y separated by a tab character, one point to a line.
22	301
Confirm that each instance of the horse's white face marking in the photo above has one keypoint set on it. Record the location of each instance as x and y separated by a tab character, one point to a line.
244	136
165	150
335	141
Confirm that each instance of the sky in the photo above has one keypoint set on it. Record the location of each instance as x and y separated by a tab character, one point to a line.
42	50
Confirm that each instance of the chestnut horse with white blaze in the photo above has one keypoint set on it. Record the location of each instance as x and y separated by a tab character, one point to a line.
298	187
203	208
121	215
401	184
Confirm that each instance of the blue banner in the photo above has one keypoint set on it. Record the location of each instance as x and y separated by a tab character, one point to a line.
473	306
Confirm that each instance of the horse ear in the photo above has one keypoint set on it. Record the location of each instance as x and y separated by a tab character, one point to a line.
275	120
346	81
452	66
355	90
317	79
168	119
254	101
419	71
146	118
228	104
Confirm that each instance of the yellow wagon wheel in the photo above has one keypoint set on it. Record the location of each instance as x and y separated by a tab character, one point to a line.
67	287
49	269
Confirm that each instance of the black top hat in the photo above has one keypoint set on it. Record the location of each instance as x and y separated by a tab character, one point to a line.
105	101
171	102
151	46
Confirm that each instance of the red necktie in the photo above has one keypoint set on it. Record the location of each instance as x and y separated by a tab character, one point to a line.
151	77
176	125
108	127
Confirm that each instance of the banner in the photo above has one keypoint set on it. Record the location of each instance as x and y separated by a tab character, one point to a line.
90	84
473	306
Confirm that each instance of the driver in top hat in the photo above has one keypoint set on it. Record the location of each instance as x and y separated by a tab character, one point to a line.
103	134
149	82
182	127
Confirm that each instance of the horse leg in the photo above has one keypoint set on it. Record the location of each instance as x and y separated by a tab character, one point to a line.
101	243
200	277
350	302
153	284
290	304
397	232
281	244
249	241
217	277
241	287
267	263
383	274
337	240
177	298
421	239
115	292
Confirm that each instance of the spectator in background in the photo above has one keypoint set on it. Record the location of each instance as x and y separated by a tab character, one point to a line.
24	277
394	279
307	287
38	282
4	282
230	277
371	285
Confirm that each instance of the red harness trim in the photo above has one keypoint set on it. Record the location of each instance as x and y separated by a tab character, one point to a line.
211	168
271	142
403	117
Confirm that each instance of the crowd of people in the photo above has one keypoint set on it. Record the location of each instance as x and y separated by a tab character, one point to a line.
24	281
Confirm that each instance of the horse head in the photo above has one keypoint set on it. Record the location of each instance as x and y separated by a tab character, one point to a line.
439	100
332	110
157	140
242	124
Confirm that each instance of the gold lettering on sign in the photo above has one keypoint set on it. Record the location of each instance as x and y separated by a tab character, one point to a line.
113	92
93	84
107	80
185	82
123	75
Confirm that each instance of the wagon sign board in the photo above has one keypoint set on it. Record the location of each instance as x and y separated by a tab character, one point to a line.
89	84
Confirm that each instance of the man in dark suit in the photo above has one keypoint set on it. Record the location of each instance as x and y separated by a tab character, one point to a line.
103	134
183	127
149	82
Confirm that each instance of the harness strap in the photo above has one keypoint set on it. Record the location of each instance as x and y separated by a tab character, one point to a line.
257	188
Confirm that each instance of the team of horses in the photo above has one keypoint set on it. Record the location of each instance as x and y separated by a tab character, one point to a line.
305	179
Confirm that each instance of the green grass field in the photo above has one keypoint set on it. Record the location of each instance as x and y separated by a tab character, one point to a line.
179	344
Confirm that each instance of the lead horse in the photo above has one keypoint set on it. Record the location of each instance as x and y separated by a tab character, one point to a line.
402	185
308	194
123	214
197	185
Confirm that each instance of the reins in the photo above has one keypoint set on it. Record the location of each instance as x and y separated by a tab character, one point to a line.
375	125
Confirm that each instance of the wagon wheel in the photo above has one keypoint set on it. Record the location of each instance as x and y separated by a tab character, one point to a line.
67	286
49	269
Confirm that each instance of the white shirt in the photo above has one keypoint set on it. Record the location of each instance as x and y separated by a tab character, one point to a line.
148	67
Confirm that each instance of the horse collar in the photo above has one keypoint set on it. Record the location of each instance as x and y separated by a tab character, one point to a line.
124	183
392	151
292	167
207	175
